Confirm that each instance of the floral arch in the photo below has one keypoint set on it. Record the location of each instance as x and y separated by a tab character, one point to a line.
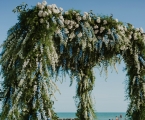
47	42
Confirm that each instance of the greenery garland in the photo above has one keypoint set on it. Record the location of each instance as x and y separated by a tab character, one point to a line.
47	40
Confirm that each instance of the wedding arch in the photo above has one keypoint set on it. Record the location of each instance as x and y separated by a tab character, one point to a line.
48	41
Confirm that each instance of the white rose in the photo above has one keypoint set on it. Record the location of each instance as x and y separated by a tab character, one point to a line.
102	28
135	38
84	17
72	22
40	13
79	18
55	11
44	3
49	7
85	13
66	22
96	26
74	12
90	18
49	11
116	20
77	14
45	14
125	28
61	9
109	31
38	4
143	87
41	20
57	31
77	25
66	30
96	31
129	36
122	47
72	35
104	22
137	29
79	35
98	20
47	26
87	24
135	34
101	31
54	6
61	17
69	27
131	32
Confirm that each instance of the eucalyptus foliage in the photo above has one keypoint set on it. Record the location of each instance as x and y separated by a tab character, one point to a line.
48	41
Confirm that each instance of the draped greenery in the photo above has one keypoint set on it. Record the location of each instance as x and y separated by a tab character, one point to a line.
48	41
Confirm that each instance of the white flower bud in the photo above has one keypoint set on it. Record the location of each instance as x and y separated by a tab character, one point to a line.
77	25
61	9
98	20
40	13
66	22
38	4
84	17
79	18
72	35
49	11
143	87
41	20
56	11
44	3
57	31
102	28
66	30
72	22
135	34
47	26
49	7
96	31
109	31
79	35
69	27
104	22
135	38
77	14
116	20
137	29
129	36
45	14
54	6
141	30
86	14
96	26
90	18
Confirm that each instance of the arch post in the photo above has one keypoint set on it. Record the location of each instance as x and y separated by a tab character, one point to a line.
85	86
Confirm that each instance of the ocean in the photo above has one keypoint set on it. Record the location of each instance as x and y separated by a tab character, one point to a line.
100	115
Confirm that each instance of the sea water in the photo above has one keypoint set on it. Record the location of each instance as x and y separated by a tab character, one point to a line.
100	115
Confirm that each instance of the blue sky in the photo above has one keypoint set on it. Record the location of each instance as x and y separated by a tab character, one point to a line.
110	95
